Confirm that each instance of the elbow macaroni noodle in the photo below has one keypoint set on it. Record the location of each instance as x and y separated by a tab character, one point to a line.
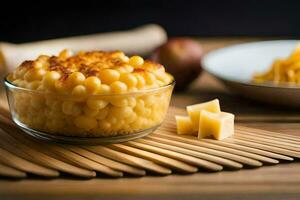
282	70
90	94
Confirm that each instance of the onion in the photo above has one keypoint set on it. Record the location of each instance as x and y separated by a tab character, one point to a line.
181	57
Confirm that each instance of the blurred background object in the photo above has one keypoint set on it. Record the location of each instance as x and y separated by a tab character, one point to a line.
181	57
142	40
26	21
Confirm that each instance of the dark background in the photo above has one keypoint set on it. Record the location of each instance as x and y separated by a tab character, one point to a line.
23	21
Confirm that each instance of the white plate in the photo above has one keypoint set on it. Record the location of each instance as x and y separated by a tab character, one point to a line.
235	66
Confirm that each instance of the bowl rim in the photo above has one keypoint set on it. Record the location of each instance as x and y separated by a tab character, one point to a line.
10	85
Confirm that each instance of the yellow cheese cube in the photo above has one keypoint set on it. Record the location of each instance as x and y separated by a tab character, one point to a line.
219	125
184	125
195	111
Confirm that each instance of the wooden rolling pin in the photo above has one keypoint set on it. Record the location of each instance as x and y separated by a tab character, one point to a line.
140	41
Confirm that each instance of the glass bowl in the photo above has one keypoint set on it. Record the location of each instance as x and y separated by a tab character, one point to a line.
90	119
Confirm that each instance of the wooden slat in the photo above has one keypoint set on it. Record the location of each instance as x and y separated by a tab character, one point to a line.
239	150
268	133
271	140
10	172
234	154
268	142
4	110
227	162
162	160
19	163
36	153
264	147
175	155
258	135
231	154
83	161
107	162
205	156
5	121
220	144
128	159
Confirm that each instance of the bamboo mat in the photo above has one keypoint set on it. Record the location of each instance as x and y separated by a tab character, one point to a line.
161	153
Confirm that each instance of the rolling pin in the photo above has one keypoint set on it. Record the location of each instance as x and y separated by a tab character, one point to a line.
141	40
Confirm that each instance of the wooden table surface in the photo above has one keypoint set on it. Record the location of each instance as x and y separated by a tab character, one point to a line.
271	182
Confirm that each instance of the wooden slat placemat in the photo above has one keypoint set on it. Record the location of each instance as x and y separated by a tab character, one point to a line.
162	153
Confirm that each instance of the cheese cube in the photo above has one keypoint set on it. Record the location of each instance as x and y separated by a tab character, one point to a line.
219	125
184	125
195	111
